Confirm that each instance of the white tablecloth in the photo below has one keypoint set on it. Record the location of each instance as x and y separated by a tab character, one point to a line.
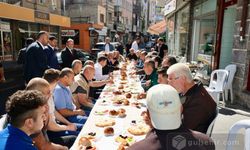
121	124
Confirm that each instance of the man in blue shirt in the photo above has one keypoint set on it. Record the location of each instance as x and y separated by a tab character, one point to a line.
26	112
64	100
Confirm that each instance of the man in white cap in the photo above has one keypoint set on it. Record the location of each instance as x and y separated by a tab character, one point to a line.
168	133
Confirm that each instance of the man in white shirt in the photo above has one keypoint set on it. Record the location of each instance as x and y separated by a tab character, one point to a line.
101	62
108	47
135	44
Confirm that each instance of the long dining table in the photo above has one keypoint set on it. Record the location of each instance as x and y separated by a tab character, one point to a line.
125	88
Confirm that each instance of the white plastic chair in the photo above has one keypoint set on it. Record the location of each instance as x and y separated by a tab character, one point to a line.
231	72
211	126
233	133
217	84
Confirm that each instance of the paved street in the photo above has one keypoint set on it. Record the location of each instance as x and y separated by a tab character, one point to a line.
226	118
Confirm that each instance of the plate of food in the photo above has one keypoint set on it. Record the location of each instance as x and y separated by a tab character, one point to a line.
125	140
138	128
86	144
101	112
105	122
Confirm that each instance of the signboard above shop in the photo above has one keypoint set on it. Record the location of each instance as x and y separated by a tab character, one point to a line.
169	7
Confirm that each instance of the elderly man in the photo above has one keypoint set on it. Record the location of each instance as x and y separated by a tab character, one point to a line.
199	108
80	88
68	54
108	47
164	111
76	66
132	55
26	110
150	71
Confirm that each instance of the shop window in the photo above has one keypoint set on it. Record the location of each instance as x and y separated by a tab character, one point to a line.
6	53
181	34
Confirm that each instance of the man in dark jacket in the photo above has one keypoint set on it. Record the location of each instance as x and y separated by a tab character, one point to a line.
199	108
168	133
161	48
36	59
51	53
21	54
68	54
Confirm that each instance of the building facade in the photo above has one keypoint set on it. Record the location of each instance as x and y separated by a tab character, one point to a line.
123	19
214	32
20	19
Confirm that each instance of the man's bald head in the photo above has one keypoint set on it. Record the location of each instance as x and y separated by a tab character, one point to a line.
89	72
37	84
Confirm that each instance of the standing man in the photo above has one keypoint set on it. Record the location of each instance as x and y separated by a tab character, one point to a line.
68	54
161	48
108	47
36	59
21	54
135	44
26	111
51	53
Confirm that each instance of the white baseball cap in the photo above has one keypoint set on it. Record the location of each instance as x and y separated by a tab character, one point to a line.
164	107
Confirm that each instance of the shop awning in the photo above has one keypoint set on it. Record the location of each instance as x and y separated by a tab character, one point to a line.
158	28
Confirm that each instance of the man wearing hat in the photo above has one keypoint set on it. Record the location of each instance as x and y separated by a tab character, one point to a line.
164	111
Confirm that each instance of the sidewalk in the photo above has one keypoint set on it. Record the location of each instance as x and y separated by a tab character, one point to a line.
226	118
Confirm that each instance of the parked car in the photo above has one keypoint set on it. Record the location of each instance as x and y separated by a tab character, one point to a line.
83	56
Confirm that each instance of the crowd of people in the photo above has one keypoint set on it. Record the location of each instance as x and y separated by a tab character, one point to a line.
51	111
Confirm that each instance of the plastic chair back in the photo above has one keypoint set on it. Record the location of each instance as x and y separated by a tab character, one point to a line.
234	130
218	79
231	72
211	126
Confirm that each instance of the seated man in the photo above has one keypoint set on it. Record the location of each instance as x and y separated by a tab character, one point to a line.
199	108
150	71
162	76
140	63
132	55
101	62
76	66
164	111
64	101
25	117
65	140
80	88
168	61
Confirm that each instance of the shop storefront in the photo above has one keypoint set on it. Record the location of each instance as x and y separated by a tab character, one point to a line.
204	31
177	14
